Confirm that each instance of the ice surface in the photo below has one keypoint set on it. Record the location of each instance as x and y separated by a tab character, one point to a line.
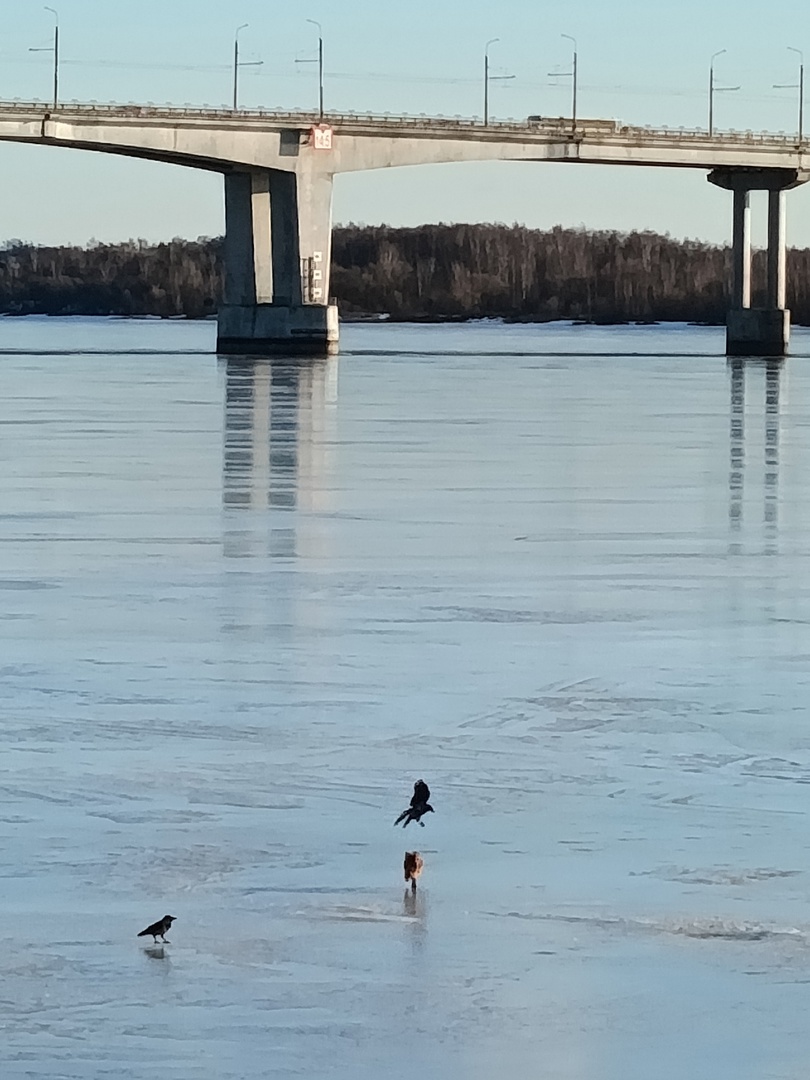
559	572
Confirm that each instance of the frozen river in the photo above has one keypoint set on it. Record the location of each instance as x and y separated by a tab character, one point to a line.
559	572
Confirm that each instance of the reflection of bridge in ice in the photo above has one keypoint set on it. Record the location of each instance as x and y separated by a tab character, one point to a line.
278	437
763	381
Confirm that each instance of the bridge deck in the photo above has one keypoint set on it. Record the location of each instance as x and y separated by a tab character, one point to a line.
222	138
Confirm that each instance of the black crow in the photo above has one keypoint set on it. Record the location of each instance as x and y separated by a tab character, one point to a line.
414	813
413	867
159	929
419	805
421	793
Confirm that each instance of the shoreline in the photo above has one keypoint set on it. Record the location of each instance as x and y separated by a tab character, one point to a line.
377	319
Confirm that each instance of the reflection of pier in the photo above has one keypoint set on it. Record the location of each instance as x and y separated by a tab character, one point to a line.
765	377
277	450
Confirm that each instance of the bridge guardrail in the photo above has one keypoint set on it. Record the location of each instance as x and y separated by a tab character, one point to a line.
553	125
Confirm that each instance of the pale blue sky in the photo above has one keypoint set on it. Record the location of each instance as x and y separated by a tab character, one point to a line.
644	62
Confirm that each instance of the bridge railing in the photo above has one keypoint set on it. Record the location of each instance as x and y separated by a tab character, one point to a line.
561	126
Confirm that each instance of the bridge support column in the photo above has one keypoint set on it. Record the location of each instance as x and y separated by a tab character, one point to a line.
758	331
278	246
777	251
741	250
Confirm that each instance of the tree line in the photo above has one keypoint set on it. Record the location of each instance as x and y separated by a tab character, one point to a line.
181	277
430	272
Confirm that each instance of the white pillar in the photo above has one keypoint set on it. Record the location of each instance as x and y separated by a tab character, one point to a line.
777	277
741	253
260	215
315	233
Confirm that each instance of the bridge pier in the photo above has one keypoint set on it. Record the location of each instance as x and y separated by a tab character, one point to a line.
758	331
278	241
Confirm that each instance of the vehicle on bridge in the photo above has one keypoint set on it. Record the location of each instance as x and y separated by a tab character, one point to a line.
608	127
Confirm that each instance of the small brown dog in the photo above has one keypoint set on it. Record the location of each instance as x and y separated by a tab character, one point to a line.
413	867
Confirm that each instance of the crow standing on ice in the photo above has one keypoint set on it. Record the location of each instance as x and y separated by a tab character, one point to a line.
413	868
419	805
159	929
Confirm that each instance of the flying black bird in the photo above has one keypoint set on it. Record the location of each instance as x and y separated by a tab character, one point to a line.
158	929
421	793
414	813
419	805
413	867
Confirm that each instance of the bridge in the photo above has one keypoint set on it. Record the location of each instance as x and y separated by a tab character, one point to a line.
279	167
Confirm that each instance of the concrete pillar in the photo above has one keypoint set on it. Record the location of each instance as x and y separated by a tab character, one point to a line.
260	215
247	238
777	261
315	232
239	286
278	238
286	255
761	331
741	249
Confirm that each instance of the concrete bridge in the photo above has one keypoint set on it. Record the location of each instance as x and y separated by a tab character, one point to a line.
279	168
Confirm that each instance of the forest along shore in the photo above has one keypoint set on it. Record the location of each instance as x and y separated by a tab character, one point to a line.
432	272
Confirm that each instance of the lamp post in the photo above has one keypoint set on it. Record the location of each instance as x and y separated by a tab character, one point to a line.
490	78
573	82
491	41
796	86
319	62
237	63
715	89
55	50
801	89
320	67
572	75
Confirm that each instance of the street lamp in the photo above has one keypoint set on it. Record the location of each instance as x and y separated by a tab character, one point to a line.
800	88
490	78
491	41
715	89
55	50
572	75
796	86
320	67
237	63
573	82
